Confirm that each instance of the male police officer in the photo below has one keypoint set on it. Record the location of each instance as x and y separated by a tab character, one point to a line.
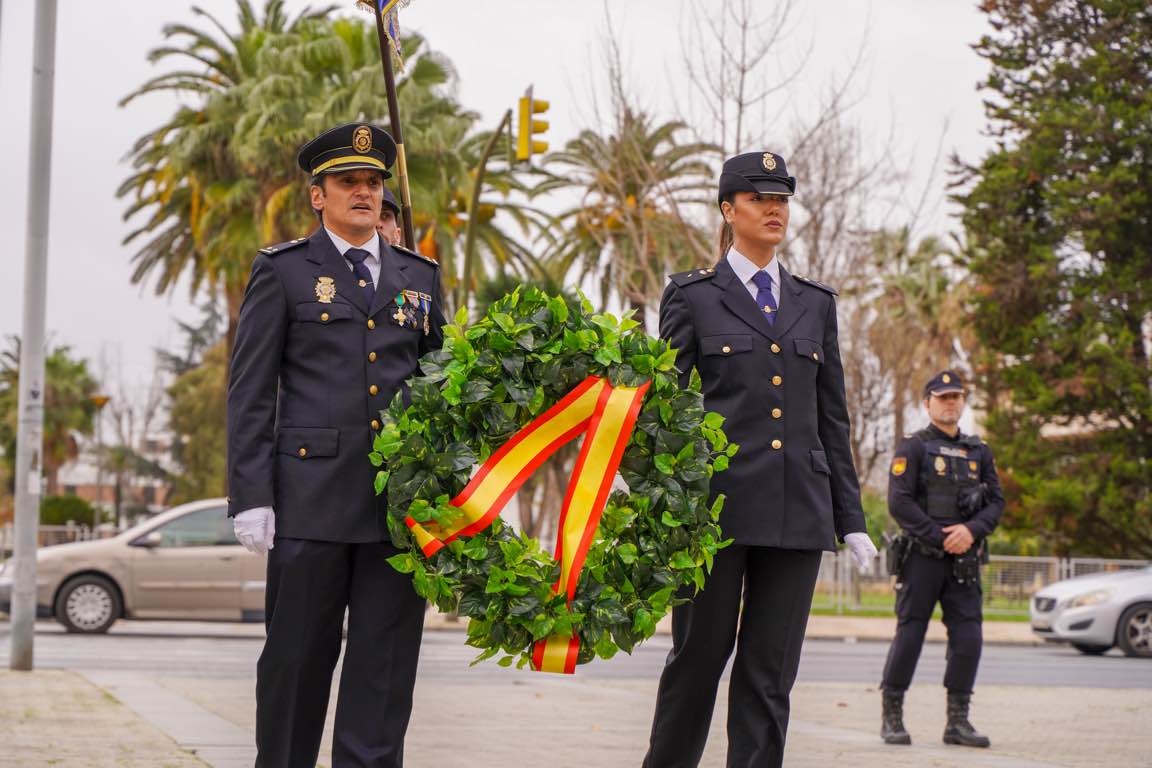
389	224
944	493
765	345
330	328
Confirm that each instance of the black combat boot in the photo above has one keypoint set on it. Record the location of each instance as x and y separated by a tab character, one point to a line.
959	730
892	727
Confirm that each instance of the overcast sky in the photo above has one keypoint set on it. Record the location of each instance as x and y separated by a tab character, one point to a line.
919	75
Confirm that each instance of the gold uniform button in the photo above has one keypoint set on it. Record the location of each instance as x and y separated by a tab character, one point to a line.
777	445
302	452
371	357
371	323
373	389
323	317
776	349
816	357
726	349
363	283
777	380
375	424
777	413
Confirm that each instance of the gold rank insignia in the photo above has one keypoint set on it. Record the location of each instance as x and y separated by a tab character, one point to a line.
940	465
325	290
362	139
899	464
769	162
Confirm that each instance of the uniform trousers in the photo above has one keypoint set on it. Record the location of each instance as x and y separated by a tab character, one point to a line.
309	585
924	581
775	587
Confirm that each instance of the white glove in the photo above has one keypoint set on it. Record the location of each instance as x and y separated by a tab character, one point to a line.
255	528
863	550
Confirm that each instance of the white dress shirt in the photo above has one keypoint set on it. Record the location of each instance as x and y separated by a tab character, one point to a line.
372	246
745	270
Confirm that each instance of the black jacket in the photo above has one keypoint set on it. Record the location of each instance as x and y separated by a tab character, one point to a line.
300	410
773	383
906	487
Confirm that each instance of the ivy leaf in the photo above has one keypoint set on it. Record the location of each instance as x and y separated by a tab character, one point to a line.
381	481
665	463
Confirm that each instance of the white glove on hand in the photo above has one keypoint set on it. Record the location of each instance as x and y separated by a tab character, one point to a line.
863	550
255	529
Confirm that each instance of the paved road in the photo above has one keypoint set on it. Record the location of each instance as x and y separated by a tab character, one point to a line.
215	651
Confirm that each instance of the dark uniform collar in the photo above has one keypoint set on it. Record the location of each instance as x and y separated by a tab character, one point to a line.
937	432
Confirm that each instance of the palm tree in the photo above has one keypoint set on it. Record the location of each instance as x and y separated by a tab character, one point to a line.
203	208
630	224
919	313
68	407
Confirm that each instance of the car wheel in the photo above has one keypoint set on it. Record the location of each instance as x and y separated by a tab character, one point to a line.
88	604
1091	650
1134	632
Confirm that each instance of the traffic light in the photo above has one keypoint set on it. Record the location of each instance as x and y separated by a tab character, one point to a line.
529	127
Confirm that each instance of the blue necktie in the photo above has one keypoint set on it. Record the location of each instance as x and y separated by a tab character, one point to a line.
764	296
360	270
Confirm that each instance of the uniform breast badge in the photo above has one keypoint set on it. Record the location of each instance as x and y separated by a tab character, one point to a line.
325	290
940	465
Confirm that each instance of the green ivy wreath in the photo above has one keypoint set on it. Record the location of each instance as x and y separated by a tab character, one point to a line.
487	382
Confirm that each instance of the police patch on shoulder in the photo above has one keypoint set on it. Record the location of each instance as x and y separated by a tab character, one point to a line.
899	465
272	250
415	255
693	276
817	284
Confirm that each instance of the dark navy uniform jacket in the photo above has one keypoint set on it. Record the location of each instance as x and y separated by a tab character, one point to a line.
959	460
780	389
312	367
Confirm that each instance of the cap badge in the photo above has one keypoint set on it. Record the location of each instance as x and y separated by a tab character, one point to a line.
946	379
768	161
362	139
325	290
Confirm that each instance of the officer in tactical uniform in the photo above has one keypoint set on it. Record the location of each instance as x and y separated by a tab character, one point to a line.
765	344
944	494
330	328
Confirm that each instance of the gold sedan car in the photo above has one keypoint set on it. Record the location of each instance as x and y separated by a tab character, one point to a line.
182	564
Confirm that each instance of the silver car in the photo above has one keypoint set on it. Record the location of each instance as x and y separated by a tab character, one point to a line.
1096	612
182	564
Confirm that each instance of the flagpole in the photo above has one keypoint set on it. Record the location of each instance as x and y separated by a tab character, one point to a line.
397	132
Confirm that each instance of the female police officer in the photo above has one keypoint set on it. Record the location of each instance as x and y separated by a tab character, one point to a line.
765	345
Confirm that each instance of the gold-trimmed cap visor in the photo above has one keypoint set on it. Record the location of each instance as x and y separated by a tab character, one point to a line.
348	147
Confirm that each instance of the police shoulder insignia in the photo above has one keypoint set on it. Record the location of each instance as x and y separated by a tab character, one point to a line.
413	254
899	464
272	250
817	284
692	276
325	289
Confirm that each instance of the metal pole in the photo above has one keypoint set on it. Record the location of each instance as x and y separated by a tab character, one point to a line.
29	434
474	210
397	134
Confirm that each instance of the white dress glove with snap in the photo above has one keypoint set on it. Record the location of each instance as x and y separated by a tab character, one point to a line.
255	528
863	550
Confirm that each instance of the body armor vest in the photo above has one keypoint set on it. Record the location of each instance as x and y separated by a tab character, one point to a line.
949	467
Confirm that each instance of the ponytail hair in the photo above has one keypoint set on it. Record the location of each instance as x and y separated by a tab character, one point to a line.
724	236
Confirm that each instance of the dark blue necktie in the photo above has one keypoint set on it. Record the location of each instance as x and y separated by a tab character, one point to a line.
360	270
764	296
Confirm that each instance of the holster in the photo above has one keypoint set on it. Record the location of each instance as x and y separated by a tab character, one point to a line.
896	549
966	567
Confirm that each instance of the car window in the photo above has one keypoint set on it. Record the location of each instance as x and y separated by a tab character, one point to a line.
204	528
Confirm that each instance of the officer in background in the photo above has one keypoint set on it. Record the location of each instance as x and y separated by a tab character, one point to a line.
944	494
389	224
330	328
765	345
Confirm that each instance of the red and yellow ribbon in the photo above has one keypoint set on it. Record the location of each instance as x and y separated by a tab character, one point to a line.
607	414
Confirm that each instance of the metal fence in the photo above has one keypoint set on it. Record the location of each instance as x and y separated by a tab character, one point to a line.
53	534
1008	582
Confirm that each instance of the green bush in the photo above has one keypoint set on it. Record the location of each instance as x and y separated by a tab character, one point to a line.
60	510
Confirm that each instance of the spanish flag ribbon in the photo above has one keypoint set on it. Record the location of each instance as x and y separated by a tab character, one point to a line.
607	414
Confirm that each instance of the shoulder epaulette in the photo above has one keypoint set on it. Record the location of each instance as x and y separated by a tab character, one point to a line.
692	276
272	250
973	440
817	284
415	255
